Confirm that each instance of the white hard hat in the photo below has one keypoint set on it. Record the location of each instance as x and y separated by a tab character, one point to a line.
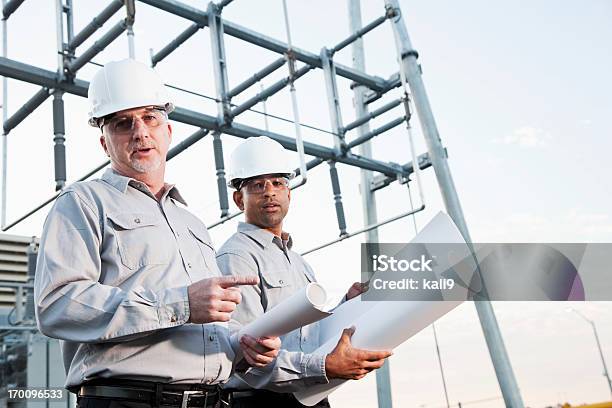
257	156
125	84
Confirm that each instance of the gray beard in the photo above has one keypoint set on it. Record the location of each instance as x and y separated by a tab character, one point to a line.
145	167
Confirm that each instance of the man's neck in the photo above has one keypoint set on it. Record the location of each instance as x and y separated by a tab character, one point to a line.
154	181
276	230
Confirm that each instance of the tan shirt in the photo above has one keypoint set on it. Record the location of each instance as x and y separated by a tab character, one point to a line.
258	252
111	283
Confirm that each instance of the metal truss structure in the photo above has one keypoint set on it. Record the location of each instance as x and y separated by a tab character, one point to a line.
367	89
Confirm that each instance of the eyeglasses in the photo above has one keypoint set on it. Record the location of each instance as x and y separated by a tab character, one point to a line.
124	124
258	186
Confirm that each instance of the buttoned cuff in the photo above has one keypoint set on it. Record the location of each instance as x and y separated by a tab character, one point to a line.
313	367
173	309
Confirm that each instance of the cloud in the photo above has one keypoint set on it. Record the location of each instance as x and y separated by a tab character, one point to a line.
527	137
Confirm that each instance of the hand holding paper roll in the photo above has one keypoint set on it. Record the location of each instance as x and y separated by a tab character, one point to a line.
350	363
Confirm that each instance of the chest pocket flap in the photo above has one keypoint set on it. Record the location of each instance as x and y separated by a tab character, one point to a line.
274	278
142	238
128	221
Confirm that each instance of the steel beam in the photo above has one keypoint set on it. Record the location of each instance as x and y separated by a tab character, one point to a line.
235	30
10	7
367	136
244	131
258	76
381	181
174	44
358	34
38	76
94	24
371	115
27	108
393	82
97	47
266	93
223	3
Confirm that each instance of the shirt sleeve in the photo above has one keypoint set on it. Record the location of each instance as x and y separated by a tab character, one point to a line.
292	370
71	303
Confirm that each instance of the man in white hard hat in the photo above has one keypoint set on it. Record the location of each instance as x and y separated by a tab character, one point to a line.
126	276
259	171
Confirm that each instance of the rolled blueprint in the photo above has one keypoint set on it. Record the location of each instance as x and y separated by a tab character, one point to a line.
383	325
305	306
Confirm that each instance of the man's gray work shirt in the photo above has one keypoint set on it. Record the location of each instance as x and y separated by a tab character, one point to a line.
281	271
111	283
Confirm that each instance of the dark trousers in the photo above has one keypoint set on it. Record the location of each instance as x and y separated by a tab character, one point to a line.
269	399
94	402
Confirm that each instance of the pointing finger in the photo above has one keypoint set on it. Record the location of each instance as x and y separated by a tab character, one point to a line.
230	281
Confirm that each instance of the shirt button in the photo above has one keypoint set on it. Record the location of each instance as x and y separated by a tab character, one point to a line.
211	338
137	220
189	265
281	281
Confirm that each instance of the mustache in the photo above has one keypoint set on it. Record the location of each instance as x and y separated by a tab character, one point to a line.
138	146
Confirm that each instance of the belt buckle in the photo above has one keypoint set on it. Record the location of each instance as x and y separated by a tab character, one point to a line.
187	394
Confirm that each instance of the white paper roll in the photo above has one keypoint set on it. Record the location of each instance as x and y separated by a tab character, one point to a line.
383	325
302	308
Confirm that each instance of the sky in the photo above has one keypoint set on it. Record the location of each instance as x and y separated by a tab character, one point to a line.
520	91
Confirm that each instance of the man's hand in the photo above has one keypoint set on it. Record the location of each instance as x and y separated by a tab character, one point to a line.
260	352
357	289
351	363
214	299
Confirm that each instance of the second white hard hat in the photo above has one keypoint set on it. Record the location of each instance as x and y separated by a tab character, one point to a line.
125	84
257	156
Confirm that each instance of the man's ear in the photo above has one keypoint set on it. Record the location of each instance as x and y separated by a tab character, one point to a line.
237	196
169	132
103	143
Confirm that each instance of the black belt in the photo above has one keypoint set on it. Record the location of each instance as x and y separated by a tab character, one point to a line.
183	395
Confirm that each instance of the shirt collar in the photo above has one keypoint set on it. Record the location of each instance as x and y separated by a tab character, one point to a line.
121	183
264	237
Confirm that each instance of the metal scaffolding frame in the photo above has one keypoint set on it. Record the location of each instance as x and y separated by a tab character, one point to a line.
367	89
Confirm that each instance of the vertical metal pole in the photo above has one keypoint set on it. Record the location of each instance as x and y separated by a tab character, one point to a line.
335	115
69	21
294	105
333	173
59	148
4	118
223	106
603	361
220	166
412	72
131	15
215	24
32	258
333	100
59	35
433	326
265	110
368	200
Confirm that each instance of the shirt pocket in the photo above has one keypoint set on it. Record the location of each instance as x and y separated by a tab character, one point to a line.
142	238
207	250
276	287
